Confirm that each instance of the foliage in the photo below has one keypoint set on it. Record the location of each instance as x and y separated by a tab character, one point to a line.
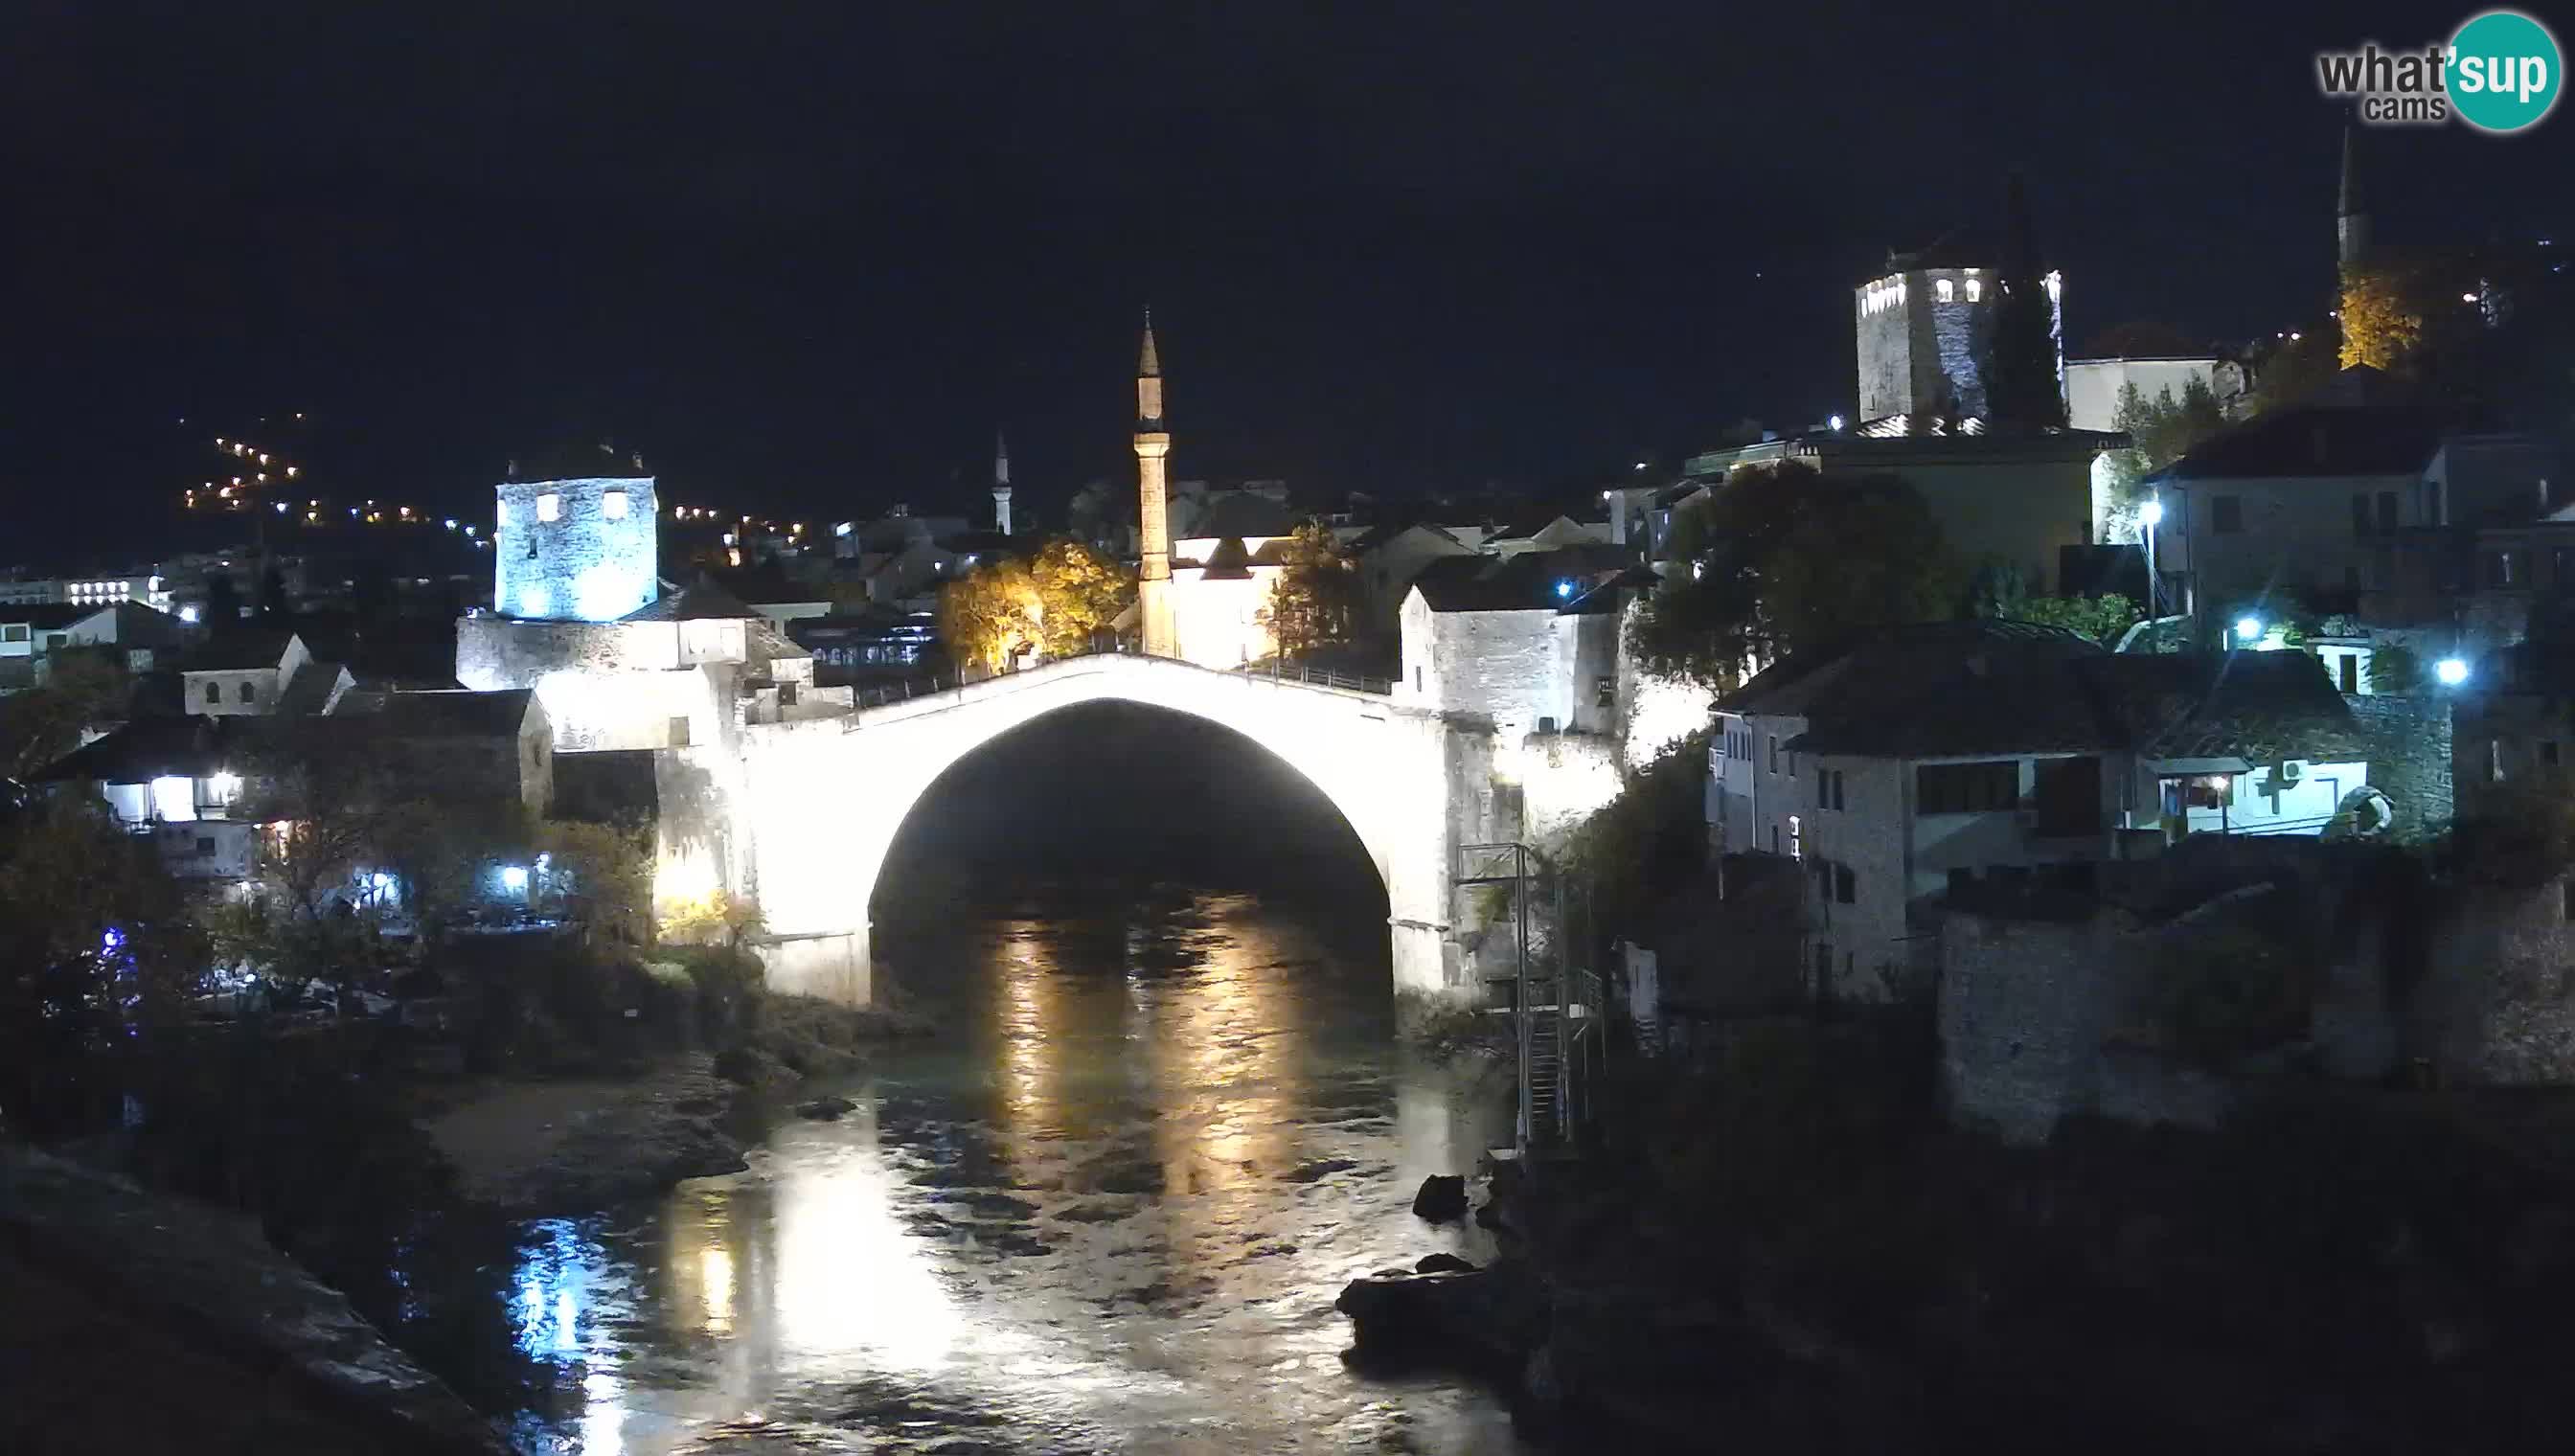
323	817
1315	603
2233	991
1779	559
1079	593
443	851
2395	667
83	689
1050	605
712	917
94	938
990	616
2102	617
223	602
2022	388
2382	315
2524	838
596	877
1649	839
2162	430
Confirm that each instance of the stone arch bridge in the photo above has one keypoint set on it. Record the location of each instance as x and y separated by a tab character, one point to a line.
801	814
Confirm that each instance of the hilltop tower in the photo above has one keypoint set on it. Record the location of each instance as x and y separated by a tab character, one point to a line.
2351	215
1153	445
1001	484
578	543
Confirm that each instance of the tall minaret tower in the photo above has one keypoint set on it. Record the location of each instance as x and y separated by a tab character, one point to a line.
2351	214
1001	484
1152	444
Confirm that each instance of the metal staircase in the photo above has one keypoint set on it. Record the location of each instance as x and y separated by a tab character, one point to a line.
1555	1008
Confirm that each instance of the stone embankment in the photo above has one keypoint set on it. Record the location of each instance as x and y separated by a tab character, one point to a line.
144	1323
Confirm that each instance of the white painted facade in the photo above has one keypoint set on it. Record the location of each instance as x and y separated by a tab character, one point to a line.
1216	620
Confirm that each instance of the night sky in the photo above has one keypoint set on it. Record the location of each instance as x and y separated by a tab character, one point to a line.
807	257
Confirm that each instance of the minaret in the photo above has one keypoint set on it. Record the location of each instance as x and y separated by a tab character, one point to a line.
2351	215
1152	444
1001	484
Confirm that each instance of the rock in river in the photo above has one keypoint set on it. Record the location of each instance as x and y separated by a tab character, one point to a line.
1443	1198
825	1109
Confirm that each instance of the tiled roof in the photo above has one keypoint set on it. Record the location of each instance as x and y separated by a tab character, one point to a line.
704	601
1242	513
1956	689
1526	582
2323	439
239	650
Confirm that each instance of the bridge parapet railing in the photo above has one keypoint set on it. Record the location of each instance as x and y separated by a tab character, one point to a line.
1278	672
949	681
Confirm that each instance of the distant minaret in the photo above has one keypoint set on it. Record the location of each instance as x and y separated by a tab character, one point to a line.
1001	484
2351	214
1152	444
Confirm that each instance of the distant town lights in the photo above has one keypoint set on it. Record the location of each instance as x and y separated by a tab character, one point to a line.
2451	671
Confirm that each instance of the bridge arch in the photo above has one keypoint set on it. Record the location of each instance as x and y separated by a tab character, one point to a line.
818	803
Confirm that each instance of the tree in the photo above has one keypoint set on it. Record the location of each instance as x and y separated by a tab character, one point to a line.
1780	560
223	600
2022	387
1314	601
442	852
990	615
96	947
84	688
1079	593
596	878
2382	315
325	818
2102	619
2161	432
272	595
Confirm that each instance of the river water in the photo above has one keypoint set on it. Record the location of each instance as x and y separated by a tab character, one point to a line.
1105	1208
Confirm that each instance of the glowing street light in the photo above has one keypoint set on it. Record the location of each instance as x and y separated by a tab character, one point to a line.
2247	629
2151	512
1836	423
1563	587
2451	671
514	877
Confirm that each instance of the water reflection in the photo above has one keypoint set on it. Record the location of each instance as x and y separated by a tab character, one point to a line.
1107	1210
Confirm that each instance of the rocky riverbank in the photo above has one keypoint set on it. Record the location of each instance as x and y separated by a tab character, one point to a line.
139	1322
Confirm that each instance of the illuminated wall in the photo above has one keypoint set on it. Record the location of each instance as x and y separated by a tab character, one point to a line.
821	801
575	549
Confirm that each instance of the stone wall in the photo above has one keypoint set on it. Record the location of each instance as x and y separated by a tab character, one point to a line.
2409	758
2498	1001
595	561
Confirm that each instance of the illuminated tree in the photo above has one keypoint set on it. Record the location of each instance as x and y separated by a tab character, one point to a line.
596	878
2162	430
1314	601
991	615
1780	560
2382	318
1079	593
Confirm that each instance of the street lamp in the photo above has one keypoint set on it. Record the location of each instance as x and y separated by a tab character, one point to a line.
2451	671
2247	629
2151	515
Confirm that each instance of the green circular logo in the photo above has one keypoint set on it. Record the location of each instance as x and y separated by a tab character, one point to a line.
2505	71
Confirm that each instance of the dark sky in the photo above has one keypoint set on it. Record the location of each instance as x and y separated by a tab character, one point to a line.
807	256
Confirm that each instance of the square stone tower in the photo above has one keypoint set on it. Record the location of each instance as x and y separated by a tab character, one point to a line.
575	550
1922	327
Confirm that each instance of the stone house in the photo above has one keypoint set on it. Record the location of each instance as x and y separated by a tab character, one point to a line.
1925	759
251	671
1390	558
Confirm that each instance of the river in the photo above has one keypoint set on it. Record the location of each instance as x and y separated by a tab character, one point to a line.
1106	1207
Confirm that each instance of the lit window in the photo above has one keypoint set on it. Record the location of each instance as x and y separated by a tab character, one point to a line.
1975	290
612	505
549	507
504	518
174	800
1945	289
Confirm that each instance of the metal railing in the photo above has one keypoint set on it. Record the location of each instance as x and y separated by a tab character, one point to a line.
1278	672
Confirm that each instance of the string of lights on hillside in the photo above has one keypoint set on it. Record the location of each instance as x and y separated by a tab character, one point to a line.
261	473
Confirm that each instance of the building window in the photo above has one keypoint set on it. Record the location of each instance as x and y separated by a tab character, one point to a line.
2500	569
1975	290
2204	791
1774	839
2225	515
2566	899
249	692
1605	691
1417	679
679	733
1797	838
2360	514
1955	789
549	507
1845	884
1945	290
1837	788
2548	752
14	632
2387	510
214	692
502	517
1775	753
611	504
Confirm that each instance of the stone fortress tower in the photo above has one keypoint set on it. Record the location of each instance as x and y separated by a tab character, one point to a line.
2351	214
1922	327
575	548
1153	446
1001	484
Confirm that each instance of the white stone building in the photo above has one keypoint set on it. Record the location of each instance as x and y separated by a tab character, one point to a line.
1933	757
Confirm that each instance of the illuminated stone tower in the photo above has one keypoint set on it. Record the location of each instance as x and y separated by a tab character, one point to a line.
1001	484
1153	445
